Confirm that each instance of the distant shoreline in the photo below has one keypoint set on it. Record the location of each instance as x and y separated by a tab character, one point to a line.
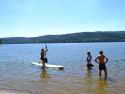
83	37
61	43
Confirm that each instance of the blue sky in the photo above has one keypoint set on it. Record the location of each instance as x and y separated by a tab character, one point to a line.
31	18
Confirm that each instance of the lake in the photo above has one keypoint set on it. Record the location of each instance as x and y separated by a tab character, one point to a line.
17	74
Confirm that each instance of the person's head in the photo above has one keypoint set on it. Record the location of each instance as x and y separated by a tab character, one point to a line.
88	53
42	50
101	52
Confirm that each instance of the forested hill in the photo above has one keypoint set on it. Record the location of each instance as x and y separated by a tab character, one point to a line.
0	40
70	38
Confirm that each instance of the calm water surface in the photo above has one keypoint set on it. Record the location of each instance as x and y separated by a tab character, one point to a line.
18	74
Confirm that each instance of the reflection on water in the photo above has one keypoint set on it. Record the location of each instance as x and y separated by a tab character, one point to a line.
102	86
88	75
44	76
95	86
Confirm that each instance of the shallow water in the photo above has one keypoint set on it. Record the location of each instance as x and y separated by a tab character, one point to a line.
18	74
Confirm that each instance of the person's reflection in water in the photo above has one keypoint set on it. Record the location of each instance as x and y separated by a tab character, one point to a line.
88	75
88	80
102	86
44	74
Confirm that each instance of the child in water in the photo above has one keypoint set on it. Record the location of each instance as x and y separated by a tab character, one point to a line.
89	59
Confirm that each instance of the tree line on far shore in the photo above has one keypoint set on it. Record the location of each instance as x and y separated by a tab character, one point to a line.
0	40
118	36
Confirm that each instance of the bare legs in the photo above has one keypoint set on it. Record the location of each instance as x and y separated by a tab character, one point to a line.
105	74
43	64
100	73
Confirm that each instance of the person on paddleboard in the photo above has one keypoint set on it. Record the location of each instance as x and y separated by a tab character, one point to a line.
89	59
102	60
43	56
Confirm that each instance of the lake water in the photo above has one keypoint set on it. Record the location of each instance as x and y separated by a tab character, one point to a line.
17	74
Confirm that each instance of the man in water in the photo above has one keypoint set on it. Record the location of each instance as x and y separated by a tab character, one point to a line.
89	58
102	60
43	56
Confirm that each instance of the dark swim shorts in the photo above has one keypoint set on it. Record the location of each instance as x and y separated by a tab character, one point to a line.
102	67
44	60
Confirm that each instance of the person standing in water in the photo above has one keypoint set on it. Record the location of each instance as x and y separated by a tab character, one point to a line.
43	56
89	59
102	60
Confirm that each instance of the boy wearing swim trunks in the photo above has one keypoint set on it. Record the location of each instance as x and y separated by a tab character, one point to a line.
102	60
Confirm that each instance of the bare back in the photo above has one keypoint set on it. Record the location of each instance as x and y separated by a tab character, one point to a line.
101	59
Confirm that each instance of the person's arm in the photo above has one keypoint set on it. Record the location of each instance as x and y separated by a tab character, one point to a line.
46	49
87	58
96	60
106	60
90	58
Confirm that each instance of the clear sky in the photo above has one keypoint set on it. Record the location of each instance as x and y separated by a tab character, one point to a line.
31	18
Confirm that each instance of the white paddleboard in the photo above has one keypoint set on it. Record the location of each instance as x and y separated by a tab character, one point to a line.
48	65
